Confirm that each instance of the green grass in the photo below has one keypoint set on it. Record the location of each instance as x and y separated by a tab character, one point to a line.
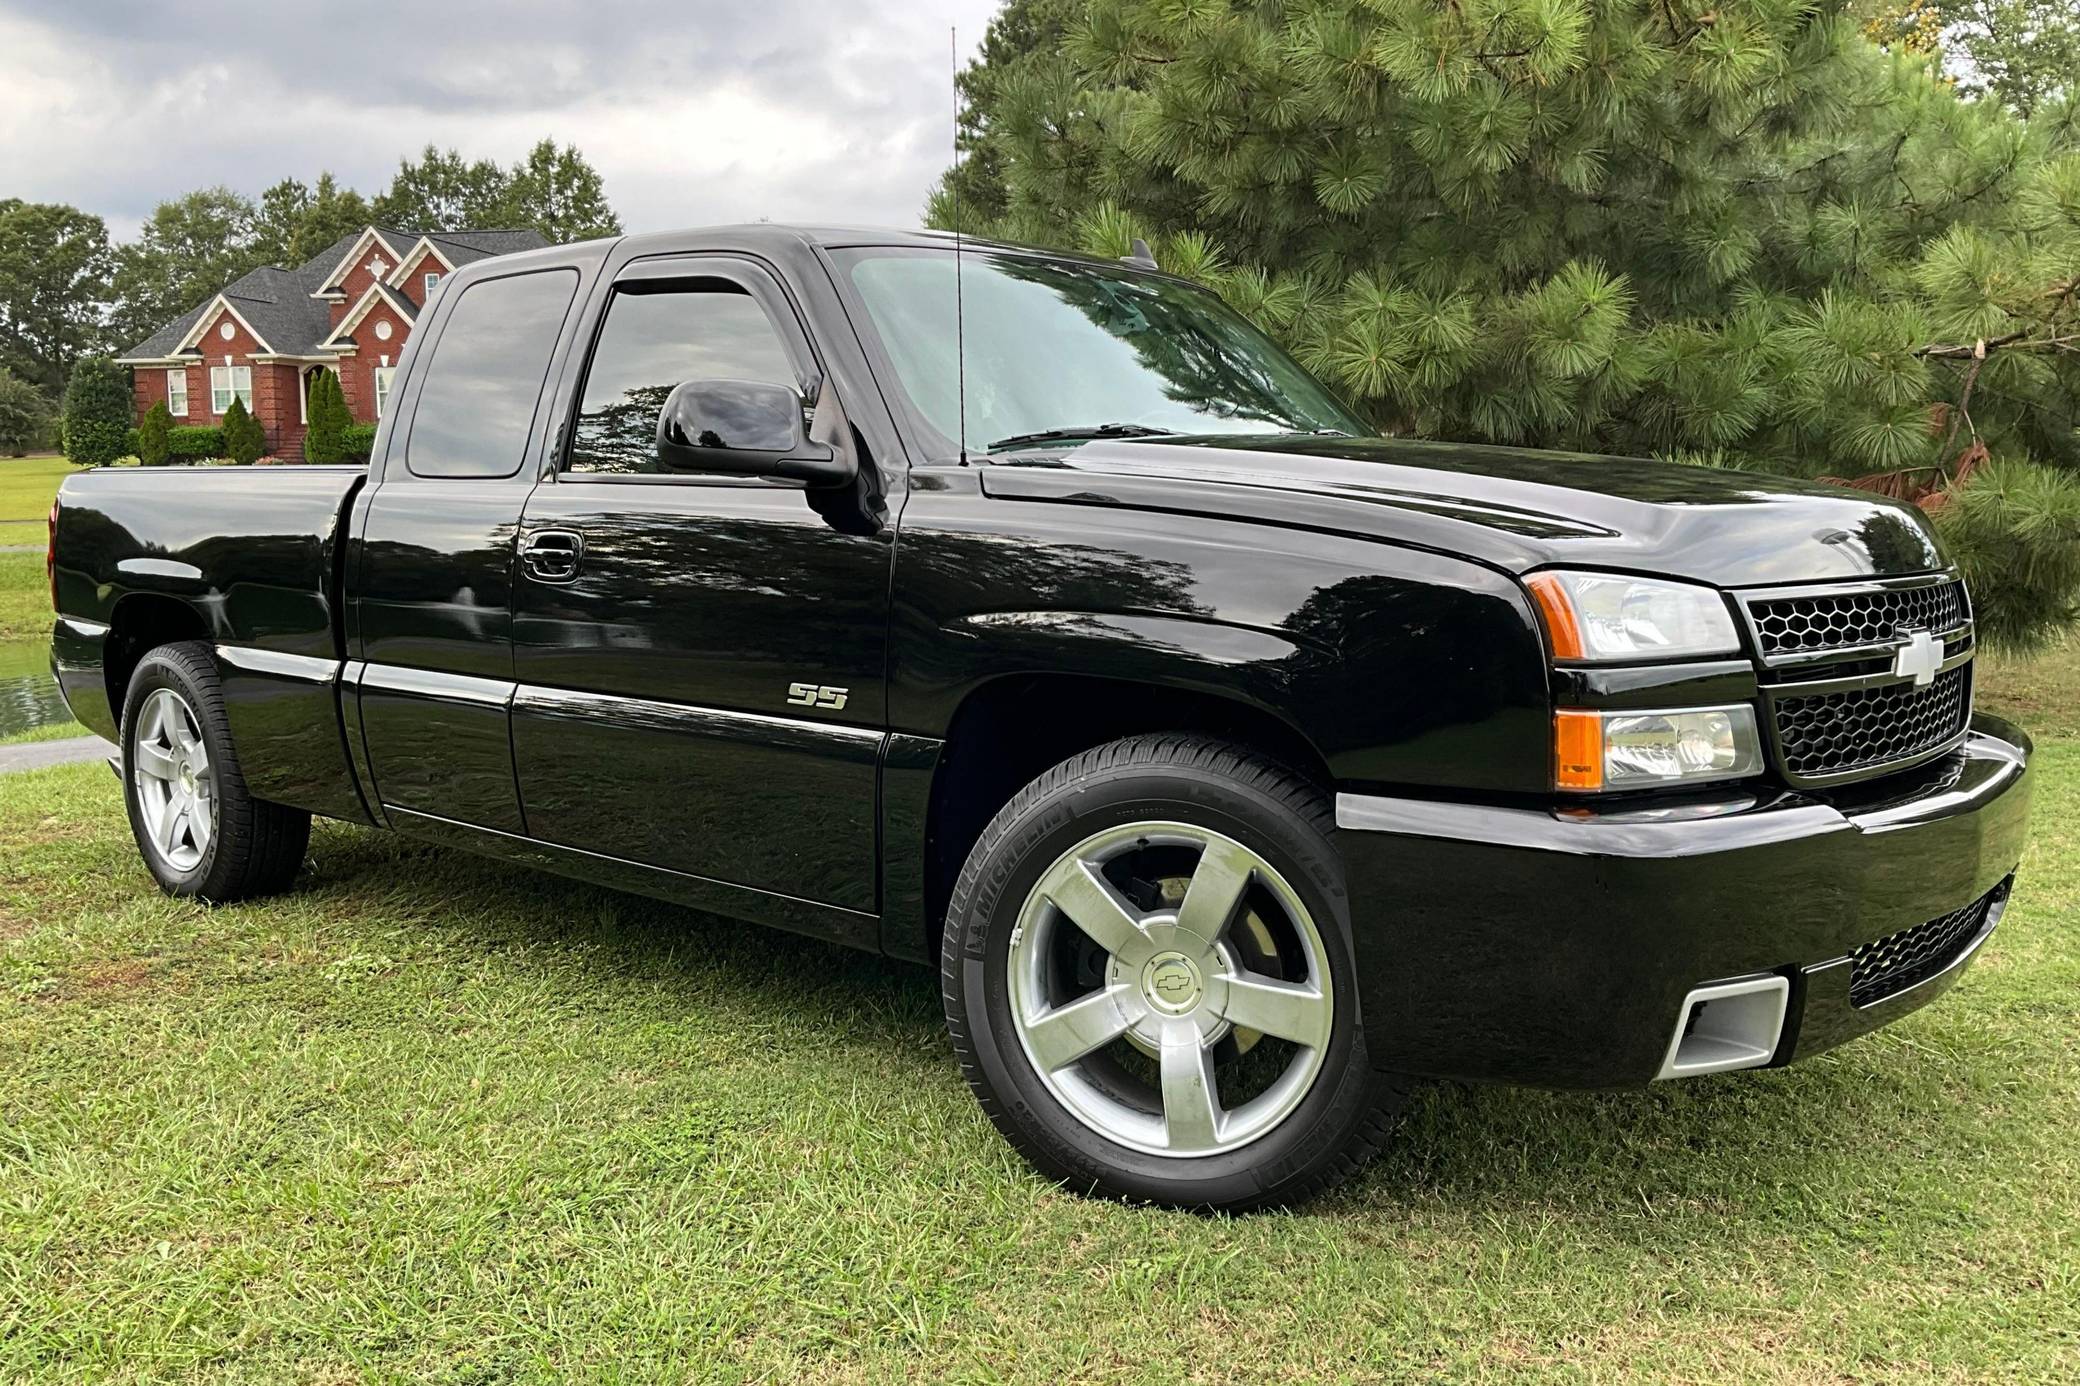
25	597
27	486
433	1118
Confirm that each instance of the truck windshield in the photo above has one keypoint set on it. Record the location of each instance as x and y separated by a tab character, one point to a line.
1058	350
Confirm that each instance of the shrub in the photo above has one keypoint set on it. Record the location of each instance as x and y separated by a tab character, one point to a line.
152	449
193	442
329	419
244	439
97	412
25	415
357	442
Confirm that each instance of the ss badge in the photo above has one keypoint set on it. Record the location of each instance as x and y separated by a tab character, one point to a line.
816	695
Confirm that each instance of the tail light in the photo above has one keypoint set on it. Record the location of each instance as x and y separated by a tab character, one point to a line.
50	555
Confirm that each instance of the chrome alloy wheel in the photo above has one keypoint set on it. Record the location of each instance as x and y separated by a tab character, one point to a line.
175	785
1110	960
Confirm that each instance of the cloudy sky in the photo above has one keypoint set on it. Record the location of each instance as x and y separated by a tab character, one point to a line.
695	111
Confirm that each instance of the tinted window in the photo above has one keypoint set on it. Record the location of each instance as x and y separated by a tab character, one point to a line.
655	338
485	377
1059	344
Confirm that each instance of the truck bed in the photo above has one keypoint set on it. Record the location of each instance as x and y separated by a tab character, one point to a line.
246	558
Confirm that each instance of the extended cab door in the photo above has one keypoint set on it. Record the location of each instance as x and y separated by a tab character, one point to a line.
431	584
699	658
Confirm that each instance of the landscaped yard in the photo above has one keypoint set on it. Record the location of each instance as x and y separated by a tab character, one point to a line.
436	1118
27	485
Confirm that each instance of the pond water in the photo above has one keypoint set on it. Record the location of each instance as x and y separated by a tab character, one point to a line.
28	694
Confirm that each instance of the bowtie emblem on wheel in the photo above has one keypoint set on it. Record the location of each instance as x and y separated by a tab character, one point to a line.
1919	658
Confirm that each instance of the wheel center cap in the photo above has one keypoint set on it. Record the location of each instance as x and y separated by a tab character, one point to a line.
1172	983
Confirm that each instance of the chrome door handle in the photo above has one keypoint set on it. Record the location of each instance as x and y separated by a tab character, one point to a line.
553	555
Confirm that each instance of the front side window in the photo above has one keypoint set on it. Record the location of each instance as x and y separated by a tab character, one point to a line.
383	377
177	392
656	337
476	406
1063	345
227	383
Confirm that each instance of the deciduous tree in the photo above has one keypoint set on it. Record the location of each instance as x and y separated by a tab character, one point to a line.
54	271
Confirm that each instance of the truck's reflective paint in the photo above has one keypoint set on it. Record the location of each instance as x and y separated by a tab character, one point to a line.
1352	604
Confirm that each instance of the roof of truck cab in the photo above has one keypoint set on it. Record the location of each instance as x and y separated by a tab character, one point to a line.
693	240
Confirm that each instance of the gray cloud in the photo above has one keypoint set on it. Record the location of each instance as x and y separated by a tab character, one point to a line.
694	112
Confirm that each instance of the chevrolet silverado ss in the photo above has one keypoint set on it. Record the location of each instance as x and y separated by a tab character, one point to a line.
1039	619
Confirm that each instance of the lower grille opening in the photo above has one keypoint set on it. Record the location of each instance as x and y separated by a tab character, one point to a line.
1912	956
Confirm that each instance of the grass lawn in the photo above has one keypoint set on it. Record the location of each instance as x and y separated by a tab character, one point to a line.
27	485
436	1118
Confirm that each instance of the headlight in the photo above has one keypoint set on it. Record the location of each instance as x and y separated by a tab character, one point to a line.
1601	616
1640	750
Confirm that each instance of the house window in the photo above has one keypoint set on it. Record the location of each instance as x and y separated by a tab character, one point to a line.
383	375
226	382
177	392
432	282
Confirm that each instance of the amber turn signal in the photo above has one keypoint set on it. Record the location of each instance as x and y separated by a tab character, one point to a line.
1558	610
1577	749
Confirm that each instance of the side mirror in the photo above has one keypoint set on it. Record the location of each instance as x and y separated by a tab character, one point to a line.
744	428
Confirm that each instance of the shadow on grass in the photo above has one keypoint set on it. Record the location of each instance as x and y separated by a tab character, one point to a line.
1768	1148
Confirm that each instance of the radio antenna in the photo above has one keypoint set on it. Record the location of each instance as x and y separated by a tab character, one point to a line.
960	325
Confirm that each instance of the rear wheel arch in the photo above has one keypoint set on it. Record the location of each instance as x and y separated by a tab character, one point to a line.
140	623
1009	730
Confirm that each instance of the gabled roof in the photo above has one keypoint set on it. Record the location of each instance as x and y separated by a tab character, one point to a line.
344	264
400	304
280	306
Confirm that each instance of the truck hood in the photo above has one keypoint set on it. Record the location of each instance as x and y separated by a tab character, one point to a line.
1511	507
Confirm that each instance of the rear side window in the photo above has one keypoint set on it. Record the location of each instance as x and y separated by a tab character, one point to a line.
656	337
477	404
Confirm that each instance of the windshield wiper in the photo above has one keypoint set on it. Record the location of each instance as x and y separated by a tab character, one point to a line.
1057	435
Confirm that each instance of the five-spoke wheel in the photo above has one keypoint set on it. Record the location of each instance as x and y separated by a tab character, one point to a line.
175	786
1149	982
1185	919
200	829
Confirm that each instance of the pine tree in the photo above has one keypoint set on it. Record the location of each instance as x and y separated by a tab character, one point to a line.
244	439
324	439
154	436
1727	230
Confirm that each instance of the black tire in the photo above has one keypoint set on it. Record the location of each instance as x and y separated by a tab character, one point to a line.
1350	1108
254	848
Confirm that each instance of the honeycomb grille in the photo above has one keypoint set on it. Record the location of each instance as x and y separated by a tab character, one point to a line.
1845	620
1823	734
1898	961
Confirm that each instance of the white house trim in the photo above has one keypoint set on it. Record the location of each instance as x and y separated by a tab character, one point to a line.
341	334
329	287
158	360
209	317
402	275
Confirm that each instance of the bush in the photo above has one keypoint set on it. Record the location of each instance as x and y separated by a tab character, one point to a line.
25	416
329	419
97	412
244	439
357	442
152	449
194	442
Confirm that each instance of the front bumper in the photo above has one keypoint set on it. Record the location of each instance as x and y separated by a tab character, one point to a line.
1557	947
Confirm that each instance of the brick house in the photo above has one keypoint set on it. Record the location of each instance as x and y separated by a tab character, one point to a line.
350	309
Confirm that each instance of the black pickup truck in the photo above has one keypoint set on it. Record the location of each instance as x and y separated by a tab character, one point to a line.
1038	617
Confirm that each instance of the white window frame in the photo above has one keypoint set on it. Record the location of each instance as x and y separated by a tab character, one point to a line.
383	377
177	390
428	283
237	382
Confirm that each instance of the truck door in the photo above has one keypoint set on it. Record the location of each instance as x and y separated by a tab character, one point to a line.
431	592
699	657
